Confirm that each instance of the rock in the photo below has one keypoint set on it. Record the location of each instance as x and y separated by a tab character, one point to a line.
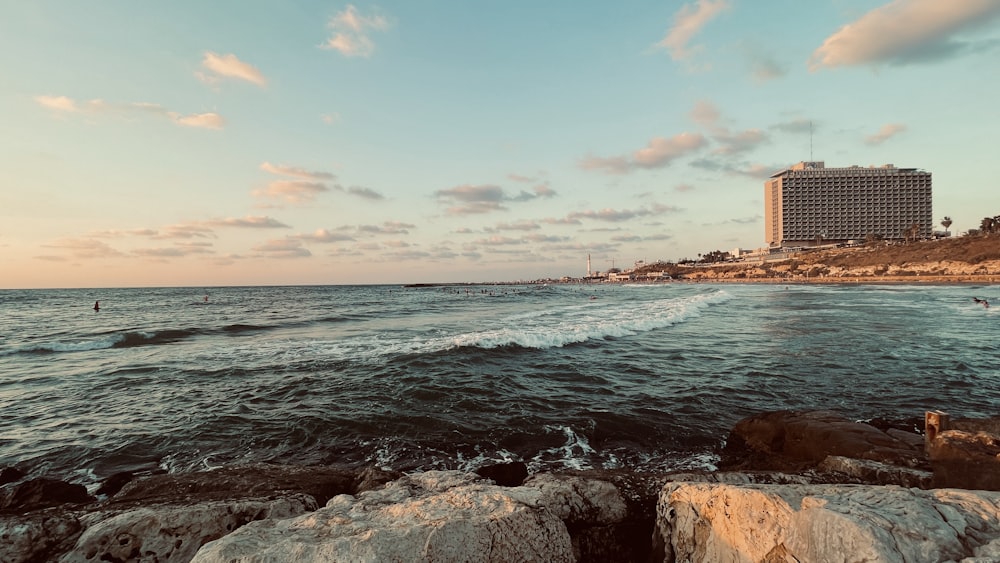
432	516
720	522
40	536
10	474
372	478
965	460
796	440
877	473
250	481
174	533
114	483
505	474
41	493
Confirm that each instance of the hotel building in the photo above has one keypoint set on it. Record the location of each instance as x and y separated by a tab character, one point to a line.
809	204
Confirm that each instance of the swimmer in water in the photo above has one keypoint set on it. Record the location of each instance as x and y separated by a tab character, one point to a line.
983	302
97	306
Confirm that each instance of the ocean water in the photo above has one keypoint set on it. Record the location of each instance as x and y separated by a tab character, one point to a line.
644	377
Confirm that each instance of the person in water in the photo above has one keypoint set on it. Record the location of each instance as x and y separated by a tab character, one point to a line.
97	306
983	302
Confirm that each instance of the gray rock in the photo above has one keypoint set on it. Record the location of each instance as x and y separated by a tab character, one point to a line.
877	473
432	516
720	522
173	533
40	536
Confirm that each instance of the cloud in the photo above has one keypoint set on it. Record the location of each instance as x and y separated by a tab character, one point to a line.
295	172
609	165
796	126
733	143
248	222
387	228
58	103
229	66
171	251
365	193
728	166
763	68
683	188
887	132
292	191
905	31
325	235
616	215
658	153
68	105
201	120
282	248
688	22
86	248
517	226
351	32
471	199
705	113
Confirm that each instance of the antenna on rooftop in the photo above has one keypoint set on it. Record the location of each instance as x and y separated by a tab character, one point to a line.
810	140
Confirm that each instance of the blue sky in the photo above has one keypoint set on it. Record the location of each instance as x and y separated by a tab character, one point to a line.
243	143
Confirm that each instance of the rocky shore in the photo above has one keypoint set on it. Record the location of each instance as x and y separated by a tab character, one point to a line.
792	486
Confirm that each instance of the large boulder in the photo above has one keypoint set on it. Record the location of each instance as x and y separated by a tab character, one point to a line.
40	536
751	523
434	516
41	493
796	440
173	533
965	460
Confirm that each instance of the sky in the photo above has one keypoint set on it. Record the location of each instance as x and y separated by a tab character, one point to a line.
217	143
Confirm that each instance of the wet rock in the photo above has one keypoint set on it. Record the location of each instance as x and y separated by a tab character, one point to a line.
10	475
174	533
321	483
505	474
720	522
796	440
42	493
877	473
965	460
373	478
114	483
40	536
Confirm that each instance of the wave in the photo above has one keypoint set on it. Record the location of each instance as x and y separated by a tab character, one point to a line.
581	323
127	339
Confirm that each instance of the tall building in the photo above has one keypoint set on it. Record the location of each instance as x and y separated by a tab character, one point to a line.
809	204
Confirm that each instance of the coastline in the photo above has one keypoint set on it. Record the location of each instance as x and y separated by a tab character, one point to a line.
803	485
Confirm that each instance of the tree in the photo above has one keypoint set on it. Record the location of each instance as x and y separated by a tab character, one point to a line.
989	225
946	222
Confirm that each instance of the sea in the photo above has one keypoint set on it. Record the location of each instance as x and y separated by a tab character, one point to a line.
558	376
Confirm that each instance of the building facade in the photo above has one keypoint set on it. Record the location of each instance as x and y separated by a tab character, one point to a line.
809	204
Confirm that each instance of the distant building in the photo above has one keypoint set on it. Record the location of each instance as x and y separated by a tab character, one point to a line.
810	205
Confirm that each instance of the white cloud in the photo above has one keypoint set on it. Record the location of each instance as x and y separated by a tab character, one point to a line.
887	132
282	248
904	31
662	151
200	120
688	22
295	172
229	66
69	105
292	191
658	153
250	221
59	103
352	32
705	113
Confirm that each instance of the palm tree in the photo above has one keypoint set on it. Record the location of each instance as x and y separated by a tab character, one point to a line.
946	222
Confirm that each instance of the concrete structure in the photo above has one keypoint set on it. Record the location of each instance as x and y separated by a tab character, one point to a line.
810	205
